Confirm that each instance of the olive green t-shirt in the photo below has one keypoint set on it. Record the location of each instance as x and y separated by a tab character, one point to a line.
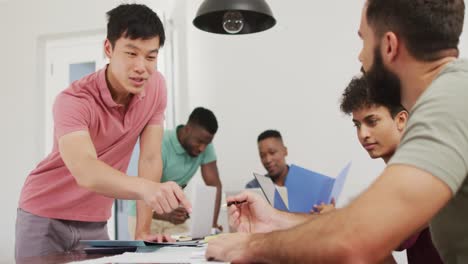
436	140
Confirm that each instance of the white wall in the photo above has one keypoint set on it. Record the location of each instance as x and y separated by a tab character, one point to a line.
289	78
22	22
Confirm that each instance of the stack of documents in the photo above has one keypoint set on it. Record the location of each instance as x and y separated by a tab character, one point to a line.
165	255
121	246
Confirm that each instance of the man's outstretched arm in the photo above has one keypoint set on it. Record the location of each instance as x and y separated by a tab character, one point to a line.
210	175
401	200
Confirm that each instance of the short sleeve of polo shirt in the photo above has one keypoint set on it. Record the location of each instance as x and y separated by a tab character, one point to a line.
161	101
70	114
209	155
436	138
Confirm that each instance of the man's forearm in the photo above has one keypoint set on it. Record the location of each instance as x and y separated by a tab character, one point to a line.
285	220
367	230
217	204
149	170
101	178
276	246
210	176
143	219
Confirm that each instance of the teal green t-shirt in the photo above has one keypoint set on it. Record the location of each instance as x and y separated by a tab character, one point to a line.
178	165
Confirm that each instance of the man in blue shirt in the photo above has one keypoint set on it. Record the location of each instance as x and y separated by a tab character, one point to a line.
273	154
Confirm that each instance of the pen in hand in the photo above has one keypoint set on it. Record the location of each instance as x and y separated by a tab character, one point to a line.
233	202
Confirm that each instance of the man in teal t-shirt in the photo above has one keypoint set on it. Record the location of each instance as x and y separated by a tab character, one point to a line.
184	150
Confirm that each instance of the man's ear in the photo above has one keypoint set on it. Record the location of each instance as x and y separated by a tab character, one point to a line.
108	48
390	45
401	118
187	127
285	151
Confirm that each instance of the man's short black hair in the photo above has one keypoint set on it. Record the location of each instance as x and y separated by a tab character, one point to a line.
205	118
427	27
134	21
270	133
356	96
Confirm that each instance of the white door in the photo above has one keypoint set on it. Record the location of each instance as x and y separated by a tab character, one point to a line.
66	61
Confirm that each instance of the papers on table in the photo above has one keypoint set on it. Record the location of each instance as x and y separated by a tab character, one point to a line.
163	255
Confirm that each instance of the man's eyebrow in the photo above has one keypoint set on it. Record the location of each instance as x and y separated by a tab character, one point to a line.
369	116
366	118
129	45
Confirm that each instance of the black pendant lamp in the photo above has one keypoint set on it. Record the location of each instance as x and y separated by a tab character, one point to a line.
234	17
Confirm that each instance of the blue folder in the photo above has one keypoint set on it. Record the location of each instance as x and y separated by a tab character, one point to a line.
307	188
279	202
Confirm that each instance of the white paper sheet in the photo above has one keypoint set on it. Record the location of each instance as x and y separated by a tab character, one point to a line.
162	256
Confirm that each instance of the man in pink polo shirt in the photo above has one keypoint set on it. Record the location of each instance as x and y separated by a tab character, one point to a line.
97	121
